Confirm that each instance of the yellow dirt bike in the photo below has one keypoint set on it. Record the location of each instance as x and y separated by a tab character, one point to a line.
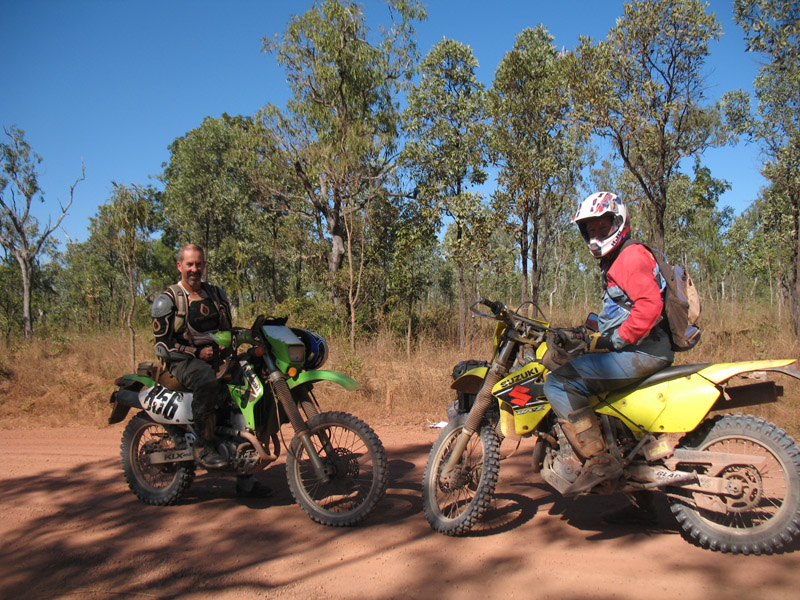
732	482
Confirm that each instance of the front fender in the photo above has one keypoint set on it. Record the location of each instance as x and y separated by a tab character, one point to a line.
471	381
313	376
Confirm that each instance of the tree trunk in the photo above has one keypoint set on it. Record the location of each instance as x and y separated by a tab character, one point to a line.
462	309
523	254
795	300
659	210
26	270
131	329
408	333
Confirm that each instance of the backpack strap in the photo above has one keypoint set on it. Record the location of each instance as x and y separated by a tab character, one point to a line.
181	299
222	304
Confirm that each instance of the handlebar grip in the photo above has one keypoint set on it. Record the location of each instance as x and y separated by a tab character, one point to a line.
495	307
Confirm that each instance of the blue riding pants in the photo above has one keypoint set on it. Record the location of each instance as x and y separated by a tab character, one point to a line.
568	388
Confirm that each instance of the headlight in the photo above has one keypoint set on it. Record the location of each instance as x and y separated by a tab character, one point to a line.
297	354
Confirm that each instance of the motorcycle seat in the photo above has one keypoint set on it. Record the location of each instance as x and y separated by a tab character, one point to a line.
157	372
671	373
168	380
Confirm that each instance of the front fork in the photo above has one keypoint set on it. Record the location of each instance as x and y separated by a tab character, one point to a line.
281	389
450	474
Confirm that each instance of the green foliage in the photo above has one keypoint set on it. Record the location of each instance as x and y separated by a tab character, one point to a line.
19	230
642	89
331	153
696	229
349	216
537	146
771	28
446	154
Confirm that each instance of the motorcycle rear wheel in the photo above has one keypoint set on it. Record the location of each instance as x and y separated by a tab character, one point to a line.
765	515
356	464
162	484
454	510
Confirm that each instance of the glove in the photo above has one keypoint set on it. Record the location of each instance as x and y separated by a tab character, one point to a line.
567	343
574	341
599	343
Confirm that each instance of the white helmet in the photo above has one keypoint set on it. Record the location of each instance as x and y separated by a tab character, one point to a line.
597	205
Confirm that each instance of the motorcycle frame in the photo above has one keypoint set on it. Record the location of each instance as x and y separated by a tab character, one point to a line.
676	405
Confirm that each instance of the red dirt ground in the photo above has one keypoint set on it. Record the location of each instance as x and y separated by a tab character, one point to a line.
70	528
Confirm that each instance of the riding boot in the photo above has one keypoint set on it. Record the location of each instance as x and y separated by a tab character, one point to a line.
582	428
204	451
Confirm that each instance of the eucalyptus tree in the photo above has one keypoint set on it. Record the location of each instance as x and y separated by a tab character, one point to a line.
413	251
209	198
536	145
19	230
696	228
130	219
446	153
643	89
91	285
330	154
771	29
759	248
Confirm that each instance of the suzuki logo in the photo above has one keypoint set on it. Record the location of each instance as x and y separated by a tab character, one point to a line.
520	395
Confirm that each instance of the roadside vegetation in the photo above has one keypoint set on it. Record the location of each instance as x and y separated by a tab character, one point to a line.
66	381
394	189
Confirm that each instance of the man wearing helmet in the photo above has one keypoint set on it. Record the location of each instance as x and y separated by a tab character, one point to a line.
184	316
630	344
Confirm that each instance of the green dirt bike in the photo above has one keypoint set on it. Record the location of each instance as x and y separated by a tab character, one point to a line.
732	481
336	465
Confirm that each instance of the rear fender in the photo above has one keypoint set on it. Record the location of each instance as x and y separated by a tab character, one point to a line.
720	373
760	392
679	405
314	376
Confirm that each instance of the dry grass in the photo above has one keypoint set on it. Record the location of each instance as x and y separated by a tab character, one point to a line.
67	381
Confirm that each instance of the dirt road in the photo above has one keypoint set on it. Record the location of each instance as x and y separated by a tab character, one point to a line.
70	528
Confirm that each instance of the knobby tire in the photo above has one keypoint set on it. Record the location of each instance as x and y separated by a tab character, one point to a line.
356	461
454	510
765	517
162	484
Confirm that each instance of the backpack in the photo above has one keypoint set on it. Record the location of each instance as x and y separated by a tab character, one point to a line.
682	304
181	300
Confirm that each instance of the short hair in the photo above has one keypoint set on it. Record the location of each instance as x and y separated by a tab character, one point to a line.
194	247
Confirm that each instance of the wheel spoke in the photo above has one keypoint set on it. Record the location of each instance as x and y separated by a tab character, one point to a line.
348	449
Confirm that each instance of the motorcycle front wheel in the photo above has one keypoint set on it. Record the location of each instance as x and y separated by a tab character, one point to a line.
761	513
159	484
354	461
453	508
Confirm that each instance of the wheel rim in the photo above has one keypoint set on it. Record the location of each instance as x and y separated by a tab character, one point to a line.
153	438
349	465
452	501
759	497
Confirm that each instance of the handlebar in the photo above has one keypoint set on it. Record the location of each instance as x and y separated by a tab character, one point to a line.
511	318
495	307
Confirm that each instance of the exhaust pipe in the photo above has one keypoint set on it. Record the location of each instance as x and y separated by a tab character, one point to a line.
121	402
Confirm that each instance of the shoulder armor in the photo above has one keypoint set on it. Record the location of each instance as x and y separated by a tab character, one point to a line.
223	296
162	306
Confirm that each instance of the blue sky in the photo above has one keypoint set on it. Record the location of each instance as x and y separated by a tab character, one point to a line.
114	82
